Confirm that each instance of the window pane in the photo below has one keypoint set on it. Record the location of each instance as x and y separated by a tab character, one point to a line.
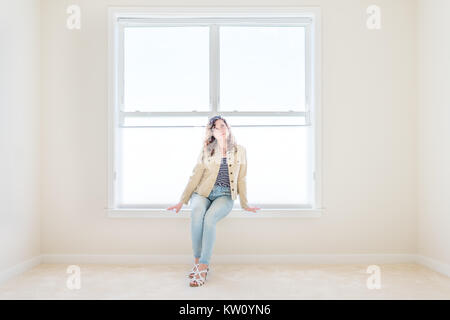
262	68
278	171
155	164
166	68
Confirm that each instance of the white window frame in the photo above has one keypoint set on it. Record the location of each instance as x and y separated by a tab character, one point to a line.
133	15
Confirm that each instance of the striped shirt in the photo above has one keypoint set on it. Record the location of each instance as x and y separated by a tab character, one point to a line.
222	178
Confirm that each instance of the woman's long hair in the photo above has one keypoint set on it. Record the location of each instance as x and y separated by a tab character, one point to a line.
210	142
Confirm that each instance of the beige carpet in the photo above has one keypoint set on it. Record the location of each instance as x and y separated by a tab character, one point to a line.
247	282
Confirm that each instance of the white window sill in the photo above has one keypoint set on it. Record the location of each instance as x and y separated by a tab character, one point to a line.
235	213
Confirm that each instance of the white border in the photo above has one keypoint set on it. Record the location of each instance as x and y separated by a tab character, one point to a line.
179	12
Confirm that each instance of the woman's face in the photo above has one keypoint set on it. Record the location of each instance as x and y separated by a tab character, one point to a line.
220	130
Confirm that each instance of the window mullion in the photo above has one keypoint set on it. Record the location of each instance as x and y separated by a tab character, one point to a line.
214	67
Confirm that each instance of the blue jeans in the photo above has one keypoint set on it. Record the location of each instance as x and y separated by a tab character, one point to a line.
205	213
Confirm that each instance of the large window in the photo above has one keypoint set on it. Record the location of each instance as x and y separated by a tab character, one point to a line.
169	73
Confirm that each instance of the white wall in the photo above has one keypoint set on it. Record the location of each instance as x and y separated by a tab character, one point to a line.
434	130
19	133
369	141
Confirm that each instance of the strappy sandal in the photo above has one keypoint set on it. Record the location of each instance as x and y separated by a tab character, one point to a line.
200	281
194	269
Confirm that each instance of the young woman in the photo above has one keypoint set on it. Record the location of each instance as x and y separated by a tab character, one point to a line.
218	177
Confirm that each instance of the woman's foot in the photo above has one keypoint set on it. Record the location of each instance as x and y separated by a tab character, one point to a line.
199	276
193	270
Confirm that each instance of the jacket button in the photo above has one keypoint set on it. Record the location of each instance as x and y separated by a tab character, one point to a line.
231	180
232	189
229	165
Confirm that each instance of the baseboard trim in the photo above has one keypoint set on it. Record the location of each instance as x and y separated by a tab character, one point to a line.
434	264
19	268
232	259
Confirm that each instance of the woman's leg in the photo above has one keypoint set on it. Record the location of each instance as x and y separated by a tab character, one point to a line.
199	205
218	210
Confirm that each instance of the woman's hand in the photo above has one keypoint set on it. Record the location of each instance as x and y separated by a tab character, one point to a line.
177	207
252	209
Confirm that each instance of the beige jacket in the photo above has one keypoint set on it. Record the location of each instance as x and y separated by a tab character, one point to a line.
205	173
